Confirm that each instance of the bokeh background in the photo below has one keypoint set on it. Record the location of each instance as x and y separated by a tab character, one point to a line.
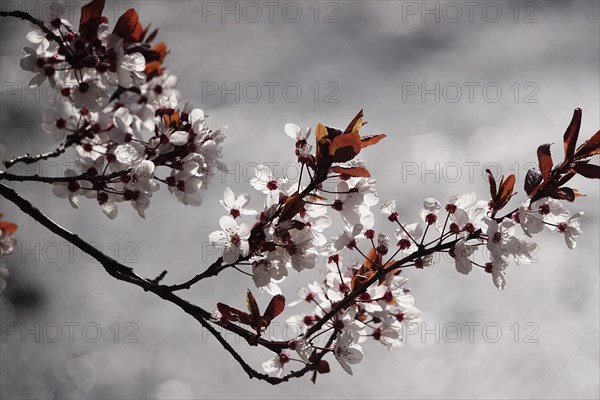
69	331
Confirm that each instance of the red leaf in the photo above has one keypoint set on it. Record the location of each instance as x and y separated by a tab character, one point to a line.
358	172
323	367
565	178
153	69
315	197
234	315
345	147
275	307
90	11
252	306
533	179
292	206
545	161
128	27
8	227
366	141
506	190
589	148
356	123
323	143
590	171
156	52
492	181
369	268
152	35
571	134
564	193
504	193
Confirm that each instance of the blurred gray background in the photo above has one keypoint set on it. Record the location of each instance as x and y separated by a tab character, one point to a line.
529	64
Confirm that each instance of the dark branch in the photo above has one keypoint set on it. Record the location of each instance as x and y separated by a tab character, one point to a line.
62	179
124	273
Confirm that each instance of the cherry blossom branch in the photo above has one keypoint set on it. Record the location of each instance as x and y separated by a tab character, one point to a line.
29	159
58	179
125	273
212	270
110	265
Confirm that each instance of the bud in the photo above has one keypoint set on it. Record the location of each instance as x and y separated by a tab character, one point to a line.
431	218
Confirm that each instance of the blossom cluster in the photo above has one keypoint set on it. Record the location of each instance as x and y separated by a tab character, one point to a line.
119	107
289	232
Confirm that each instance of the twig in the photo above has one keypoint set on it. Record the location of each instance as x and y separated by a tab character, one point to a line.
124	273
62	179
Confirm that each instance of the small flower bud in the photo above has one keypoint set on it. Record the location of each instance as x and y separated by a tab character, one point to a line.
403	244
451	208
431	218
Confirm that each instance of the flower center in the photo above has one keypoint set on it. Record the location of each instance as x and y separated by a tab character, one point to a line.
338	205
516	217
470	227
404	244
308	320
431	218
388	296
377	334
400	316
338	325
235	239
497	237
284	358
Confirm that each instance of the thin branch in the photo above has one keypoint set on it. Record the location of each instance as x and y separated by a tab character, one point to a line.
29	159
124	273
212	270
62	179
